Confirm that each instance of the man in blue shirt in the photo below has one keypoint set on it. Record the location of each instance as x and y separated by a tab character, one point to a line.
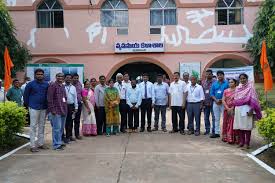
133	99
35	98
216	93
161	90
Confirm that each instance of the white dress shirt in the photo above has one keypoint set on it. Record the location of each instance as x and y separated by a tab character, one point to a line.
161	93
122	89
128	84
195	93
150	90
71	95
133	96
176	91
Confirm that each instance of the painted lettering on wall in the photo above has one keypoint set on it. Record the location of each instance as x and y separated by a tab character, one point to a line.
95	30
176	39
66	31
196	16
31	41
11	2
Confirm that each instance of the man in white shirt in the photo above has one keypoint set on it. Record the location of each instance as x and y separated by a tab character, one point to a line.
123	107
72	106
126	80
195	97
147	103
133	101
177	94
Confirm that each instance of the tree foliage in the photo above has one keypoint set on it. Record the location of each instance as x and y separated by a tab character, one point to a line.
18	52
264	28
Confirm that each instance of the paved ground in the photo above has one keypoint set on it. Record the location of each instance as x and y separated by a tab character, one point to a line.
135	158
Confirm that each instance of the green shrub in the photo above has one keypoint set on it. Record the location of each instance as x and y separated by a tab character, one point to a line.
12	121
262	98
266	126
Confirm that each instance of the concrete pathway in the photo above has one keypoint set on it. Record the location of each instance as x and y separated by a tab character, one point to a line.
136	158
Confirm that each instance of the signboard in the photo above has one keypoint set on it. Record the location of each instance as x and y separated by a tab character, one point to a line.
233	73
193	68
50	70
134	47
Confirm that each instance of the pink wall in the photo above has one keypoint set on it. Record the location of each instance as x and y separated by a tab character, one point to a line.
75	47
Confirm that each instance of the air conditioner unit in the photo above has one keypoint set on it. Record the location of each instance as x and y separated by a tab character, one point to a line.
155	30
122	31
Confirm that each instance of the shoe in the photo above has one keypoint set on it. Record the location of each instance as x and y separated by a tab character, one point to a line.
63	145
164	129
197	133
60	148
149	130
206	133
130	130
214	135
66	141
190	132
123	131
34	149
141	130
155	129
79	138
108	135
173	131
182	132
43	147
72	139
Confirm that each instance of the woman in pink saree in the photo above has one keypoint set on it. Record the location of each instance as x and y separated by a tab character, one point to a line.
246	106
228	133
89	120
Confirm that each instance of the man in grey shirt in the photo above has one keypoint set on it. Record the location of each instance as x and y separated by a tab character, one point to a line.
99	100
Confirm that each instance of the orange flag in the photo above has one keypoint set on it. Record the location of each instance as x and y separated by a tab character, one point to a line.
266	69
8	66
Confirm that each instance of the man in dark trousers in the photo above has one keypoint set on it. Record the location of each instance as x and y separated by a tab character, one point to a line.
147	94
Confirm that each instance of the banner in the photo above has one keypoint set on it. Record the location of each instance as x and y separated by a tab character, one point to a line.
133	47
233	73
50	70
193	68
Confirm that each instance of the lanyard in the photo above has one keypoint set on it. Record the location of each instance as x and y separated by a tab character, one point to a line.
69	88
192	91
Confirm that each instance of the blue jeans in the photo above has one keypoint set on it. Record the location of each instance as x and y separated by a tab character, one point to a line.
218	111
58	124
207	111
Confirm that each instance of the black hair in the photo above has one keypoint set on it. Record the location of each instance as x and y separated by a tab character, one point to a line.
102	76
111	80
160	75
220	72
243	74
67	75
92	79
15	80
75	75
125	73
85	82
38	70
209	70
235	81
177	73
145	74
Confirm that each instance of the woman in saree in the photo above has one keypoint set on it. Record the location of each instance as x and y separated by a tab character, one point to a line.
111	101
89	121
228	134
246	105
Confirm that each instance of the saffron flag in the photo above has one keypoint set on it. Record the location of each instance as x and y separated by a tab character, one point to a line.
266	69
8	66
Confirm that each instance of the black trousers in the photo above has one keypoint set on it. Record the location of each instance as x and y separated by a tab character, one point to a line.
134	114
146	107
124	110
101	122
69	121
178	111
77	120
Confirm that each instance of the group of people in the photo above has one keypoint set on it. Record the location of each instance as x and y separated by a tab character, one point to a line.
114	107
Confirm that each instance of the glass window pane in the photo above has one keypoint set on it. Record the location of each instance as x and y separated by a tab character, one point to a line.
43	6
43	19
57	6
170	17
221	4
107	18
106	5
156	17
58	21
121	18
170	4
235	16
221	17
237	3
122	5
155	4
228	2
162	3
50	2
114	2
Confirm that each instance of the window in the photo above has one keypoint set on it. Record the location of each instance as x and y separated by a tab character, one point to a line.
50	14
163	12
229	12
114	13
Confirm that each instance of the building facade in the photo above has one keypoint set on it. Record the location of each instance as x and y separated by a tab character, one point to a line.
110	36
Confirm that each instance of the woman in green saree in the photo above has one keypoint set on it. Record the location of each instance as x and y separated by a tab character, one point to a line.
111	101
